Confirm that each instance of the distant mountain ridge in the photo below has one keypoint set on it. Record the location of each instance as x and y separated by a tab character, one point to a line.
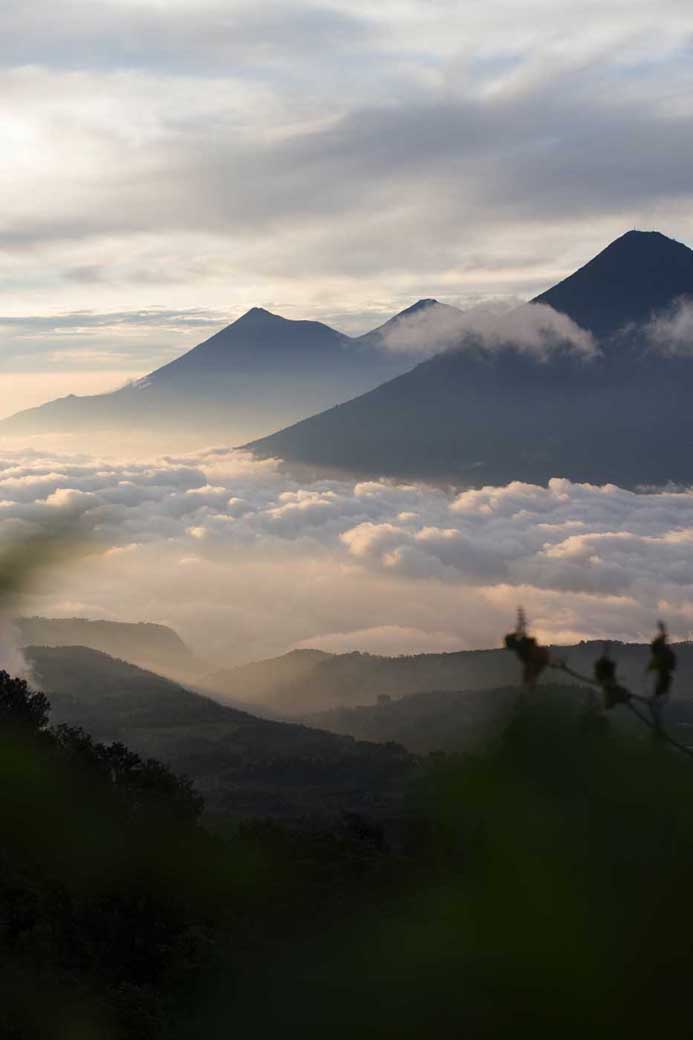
141	643
304	682
256	374
488	416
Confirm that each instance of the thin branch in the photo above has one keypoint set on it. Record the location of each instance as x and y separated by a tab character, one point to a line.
633	697
561	667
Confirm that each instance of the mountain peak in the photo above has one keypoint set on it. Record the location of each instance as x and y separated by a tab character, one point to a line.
634	277
258	315
376	336
420	305
652	243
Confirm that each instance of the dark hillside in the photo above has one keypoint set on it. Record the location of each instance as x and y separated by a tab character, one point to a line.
243	765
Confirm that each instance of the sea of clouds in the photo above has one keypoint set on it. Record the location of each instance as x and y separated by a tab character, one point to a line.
246	561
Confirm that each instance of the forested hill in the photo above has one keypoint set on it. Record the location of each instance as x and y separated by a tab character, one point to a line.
244	766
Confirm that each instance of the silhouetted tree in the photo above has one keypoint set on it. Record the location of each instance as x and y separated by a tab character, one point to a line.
20	706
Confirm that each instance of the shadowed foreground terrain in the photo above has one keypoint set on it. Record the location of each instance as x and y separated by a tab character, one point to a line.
541	882
456	720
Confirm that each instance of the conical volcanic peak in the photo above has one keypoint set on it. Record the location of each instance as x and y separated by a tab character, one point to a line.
635	277
420	305
489	417
257	374
257	339
413	321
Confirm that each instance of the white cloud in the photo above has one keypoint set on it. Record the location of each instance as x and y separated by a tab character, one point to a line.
246	561
388	640
672	331
533	329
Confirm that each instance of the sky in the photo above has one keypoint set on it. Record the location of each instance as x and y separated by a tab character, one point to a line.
167	165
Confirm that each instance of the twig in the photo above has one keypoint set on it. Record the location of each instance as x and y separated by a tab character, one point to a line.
633	697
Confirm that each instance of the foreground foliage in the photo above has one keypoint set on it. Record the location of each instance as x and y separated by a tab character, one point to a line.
544	882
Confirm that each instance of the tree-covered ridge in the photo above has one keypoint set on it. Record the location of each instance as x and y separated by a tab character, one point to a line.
97	890
118	904
243	765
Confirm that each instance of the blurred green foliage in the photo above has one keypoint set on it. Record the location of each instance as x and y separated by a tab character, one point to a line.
21	562
543	883
550	890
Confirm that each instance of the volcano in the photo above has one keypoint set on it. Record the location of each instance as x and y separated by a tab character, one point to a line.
491	413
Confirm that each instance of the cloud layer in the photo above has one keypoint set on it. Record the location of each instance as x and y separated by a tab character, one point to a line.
247	562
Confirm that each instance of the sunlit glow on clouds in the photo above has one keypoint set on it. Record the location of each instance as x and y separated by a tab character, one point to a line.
335	161
247	562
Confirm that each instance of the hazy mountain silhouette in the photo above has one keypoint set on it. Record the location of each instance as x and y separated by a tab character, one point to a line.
476	416
257	374
304	682
141	643
242	764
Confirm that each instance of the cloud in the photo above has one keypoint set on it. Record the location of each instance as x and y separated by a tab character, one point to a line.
387	640
672	331
247	561
75	321
202	38
530	328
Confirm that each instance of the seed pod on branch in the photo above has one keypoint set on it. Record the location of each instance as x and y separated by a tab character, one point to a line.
534	658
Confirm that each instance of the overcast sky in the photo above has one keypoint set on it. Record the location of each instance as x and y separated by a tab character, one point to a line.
168	164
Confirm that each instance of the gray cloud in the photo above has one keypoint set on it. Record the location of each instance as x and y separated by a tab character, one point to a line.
117	340
202	38
75	321
341	187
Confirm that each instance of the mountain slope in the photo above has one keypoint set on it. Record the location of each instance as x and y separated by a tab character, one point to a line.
479	416
636	276
243	765
258	373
